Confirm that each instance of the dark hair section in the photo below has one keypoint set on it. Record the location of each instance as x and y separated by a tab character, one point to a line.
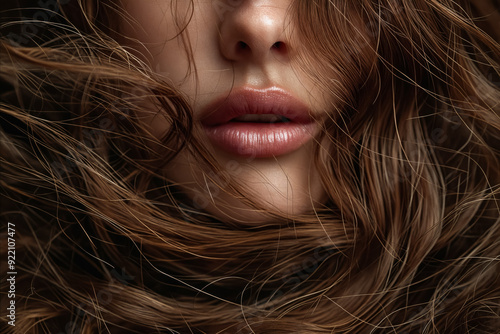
407	242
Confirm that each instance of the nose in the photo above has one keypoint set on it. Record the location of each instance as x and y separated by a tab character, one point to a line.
254	31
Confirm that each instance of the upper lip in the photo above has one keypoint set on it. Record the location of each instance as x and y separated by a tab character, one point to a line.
248	100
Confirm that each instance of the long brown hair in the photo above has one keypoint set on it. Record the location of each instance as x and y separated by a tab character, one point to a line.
408	240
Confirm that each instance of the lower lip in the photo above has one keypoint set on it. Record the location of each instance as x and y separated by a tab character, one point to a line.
260	140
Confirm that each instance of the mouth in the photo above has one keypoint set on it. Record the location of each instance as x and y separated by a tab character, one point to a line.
258	123
265	118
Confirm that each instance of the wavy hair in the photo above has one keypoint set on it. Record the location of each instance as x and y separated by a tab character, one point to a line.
408	240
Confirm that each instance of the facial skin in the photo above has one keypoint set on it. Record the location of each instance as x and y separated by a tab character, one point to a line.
235	44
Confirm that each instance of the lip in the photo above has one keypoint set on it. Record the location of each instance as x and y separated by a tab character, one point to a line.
258	139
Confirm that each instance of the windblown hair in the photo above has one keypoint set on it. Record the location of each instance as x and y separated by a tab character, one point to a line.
407	242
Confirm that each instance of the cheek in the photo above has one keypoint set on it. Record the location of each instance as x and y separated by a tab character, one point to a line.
178	41
152	30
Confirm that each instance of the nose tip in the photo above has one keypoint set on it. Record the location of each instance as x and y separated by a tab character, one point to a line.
254	31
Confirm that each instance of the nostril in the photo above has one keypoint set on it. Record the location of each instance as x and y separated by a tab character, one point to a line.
244	49
242	45
280	46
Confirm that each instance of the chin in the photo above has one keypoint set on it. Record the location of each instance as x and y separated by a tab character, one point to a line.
266	190
273	207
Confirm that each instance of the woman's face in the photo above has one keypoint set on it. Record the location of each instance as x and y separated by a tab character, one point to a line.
254	110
